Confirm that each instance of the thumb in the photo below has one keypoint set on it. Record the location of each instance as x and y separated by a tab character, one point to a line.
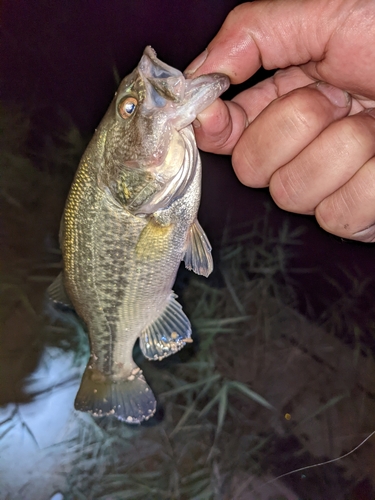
272	34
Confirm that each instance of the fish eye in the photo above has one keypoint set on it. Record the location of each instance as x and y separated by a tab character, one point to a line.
127	106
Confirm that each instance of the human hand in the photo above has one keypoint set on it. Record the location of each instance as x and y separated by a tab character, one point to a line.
308	132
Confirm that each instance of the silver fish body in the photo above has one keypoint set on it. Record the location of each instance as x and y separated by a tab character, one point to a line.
129	220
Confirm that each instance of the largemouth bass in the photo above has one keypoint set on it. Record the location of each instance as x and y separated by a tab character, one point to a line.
129	220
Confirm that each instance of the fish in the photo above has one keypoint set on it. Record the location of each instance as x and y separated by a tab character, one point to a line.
129	220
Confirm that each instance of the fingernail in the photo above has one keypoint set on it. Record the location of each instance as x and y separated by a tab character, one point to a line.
366	235
196	123
337	96
197	63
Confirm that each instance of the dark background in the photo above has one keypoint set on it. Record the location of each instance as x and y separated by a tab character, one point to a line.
62	59
60	63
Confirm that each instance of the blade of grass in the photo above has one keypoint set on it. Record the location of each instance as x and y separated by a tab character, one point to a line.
333	401
252	394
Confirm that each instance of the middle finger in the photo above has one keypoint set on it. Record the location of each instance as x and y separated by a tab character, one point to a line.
284	129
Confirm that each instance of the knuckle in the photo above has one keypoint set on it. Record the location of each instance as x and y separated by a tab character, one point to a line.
301	115
356	132
283	190
238	12
225	134
223	142
288	189
325	218
215	128
243	165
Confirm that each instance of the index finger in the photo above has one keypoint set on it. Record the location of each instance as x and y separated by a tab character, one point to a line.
219	127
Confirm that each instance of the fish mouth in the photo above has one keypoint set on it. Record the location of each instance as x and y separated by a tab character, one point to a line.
169	103
200	92
182	99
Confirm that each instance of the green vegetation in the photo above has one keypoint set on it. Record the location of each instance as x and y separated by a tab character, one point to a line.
205	439
257	371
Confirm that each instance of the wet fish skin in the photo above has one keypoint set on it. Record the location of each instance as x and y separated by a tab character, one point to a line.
129	220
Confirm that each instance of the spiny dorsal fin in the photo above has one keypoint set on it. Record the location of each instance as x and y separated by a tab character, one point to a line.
168	333
198	252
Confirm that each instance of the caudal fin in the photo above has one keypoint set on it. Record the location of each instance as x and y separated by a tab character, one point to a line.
130	399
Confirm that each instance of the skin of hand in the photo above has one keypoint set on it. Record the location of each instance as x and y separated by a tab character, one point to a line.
308	132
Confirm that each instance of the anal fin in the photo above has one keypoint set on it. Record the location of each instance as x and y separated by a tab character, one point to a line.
130	400
168	333
198	256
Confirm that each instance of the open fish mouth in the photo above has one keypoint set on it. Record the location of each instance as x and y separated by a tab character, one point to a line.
183	98
169	102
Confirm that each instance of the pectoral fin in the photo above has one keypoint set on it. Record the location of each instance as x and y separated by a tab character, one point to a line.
198	256
56	292
168	333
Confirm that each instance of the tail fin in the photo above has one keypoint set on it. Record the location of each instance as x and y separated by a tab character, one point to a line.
130	399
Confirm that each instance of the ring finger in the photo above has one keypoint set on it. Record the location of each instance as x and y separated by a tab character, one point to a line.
326	164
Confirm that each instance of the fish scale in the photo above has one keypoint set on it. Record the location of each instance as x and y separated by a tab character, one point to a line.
130	219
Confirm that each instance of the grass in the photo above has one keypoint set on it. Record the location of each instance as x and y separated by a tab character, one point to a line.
207	438
222	400
191	452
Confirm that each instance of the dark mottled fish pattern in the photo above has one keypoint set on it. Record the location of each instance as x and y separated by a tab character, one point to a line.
129	220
